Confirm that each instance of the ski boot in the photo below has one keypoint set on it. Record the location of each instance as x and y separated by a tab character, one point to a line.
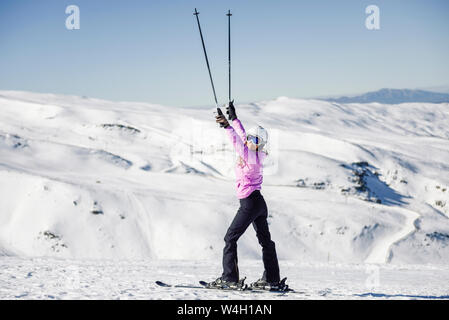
227	285
263	284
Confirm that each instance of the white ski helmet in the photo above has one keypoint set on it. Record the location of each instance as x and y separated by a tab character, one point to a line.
260	132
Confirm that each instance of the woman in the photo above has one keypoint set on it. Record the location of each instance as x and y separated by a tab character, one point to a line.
253	209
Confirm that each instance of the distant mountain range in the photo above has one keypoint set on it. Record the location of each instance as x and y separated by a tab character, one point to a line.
394	96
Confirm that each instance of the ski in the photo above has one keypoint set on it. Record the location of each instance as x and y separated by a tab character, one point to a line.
249	289
283	288
242	288
245	288
203	285
286	290
189	286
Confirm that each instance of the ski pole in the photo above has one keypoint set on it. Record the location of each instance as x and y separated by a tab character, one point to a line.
229	51
196	13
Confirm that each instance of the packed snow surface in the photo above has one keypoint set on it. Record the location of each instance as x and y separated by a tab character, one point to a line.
50	278
84	180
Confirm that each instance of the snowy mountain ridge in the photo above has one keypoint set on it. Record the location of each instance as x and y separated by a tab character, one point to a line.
89	178
395	96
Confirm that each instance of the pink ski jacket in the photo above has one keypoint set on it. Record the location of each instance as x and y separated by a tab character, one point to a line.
249	167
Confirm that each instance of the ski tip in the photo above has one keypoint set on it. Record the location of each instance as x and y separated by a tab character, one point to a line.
162	284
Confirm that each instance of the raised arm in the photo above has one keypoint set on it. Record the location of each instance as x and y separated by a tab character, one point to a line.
238	139
250	157
238	127
237	142
230	110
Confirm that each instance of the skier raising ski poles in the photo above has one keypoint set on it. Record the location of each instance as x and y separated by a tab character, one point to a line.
253	209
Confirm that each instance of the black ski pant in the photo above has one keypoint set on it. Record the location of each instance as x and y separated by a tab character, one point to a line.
253	209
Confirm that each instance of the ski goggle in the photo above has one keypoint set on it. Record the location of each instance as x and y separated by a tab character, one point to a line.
254	139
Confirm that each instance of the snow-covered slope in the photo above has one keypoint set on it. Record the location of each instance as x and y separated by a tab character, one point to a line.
88	178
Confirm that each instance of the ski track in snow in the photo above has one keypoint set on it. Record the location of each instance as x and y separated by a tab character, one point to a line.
381	252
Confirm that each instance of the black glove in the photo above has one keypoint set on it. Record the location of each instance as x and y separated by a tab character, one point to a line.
221	119
230	111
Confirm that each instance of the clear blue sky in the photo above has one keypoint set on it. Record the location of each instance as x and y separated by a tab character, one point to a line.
151	51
